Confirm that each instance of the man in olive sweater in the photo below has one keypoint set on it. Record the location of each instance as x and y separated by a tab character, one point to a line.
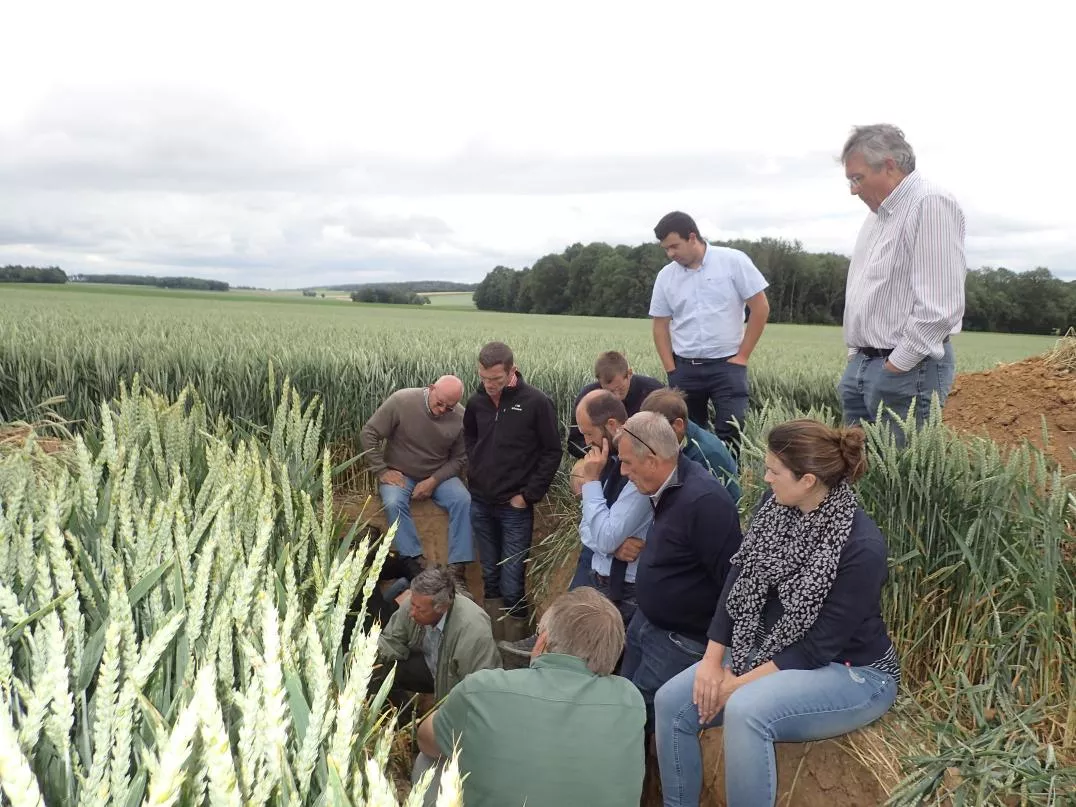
414	444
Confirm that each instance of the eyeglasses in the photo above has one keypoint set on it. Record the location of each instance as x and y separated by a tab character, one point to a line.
637	437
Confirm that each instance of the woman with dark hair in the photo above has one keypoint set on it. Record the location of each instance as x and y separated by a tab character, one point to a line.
797	648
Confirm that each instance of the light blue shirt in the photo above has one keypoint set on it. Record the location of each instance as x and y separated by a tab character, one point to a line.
706	305
431	643
604	528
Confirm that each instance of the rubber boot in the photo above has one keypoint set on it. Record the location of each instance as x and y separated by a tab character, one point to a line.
459	578
517	654
516	629
494	607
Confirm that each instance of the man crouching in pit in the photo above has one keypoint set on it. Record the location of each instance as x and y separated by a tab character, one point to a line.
435	638
562	731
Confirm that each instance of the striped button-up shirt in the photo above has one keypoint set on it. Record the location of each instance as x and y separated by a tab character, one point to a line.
905	287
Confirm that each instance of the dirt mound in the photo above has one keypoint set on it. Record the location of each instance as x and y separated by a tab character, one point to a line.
816	774
1009	403
16	437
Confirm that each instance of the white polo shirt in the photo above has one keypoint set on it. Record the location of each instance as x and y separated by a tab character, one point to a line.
706	305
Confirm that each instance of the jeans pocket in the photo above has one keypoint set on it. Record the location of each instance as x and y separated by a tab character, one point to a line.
907	383
687	646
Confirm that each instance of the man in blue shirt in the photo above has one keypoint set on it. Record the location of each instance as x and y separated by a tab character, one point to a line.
697	306
695	443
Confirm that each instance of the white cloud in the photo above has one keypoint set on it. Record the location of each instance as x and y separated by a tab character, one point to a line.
279	144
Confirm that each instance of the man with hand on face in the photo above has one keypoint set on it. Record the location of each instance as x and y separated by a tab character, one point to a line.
513	451
414	444
905	288
697	306
613	373
616	516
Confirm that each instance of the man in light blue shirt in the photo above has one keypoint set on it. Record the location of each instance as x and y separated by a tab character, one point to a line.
616	516
697	306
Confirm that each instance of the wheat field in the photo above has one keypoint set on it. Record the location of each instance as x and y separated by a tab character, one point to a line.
174	584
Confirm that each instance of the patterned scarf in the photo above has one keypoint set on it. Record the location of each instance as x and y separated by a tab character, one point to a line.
795	553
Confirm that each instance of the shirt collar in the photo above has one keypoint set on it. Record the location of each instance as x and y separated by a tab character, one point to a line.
671	480
440	626
561	661
898	195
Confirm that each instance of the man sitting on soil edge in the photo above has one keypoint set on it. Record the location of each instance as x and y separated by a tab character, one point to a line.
423	456
562	731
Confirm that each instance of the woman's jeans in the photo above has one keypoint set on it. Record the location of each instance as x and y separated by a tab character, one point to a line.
786	706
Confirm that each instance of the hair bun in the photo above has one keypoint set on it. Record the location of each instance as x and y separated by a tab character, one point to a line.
852	441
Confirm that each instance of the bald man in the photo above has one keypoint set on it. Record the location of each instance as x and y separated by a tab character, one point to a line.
414	444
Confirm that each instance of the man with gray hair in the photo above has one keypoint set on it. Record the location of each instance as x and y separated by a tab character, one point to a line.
414	444
436	639
562	731
905	289
691	541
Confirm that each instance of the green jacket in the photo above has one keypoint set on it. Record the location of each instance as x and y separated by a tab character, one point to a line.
467	644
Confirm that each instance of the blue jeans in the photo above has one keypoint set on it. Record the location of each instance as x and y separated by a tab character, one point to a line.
451	496
866	384
652	656
504	535
788	706
718	382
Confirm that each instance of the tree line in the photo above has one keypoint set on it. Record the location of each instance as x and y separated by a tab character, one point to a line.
602	280
382	294
197	283
409	285
32	274
54	274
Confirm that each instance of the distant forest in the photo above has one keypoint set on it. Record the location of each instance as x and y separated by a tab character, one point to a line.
386	294
805	287
54	274
408	285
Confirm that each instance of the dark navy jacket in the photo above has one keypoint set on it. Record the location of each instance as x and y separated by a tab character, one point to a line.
682	570
511	448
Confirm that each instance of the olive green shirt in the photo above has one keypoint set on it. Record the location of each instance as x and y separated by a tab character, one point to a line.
551	735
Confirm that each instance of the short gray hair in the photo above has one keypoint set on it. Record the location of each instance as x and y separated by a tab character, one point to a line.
584	624
435	582
650	432
878	142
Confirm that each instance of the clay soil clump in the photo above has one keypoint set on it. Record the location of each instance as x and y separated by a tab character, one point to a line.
1009	402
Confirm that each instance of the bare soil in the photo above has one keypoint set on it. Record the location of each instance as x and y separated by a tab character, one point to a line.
16	436
431	523
1010	402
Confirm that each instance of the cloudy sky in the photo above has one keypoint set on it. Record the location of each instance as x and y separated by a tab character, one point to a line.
310	143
